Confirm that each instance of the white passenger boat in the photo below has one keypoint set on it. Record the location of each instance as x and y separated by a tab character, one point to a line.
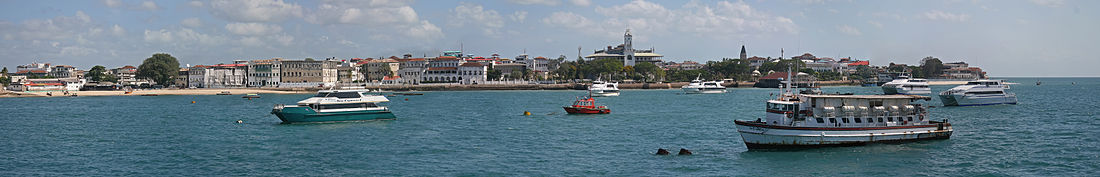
335	106
601	88
814	120
907	86
700	86
979	92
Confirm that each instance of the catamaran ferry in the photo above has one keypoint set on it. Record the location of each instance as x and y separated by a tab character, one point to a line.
812	120
335	106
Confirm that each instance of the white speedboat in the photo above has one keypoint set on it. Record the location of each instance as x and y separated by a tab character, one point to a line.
979	92
815	120
700	86
335	106
601	88
907	86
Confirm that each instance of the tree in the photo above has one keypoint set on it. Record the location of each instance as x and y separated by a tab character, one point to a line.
931	67
161	68
97	73
647	69
5	80
310	59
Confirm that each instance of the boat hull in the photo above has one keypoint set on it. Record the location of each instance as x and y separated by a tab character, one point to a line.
306	114
602	93
756	135
576	110
892	90
977	100
703	90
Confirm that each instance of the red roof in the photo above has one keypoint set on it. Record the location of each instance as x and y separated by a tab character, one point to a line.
472	64
30	71
858	63
390	78
776	75
411	59
485	59
540	57
441	68
445	58
229	65
129	67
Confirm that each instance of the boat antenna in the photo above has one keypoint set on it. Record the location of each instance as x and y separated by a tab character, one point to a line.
788	89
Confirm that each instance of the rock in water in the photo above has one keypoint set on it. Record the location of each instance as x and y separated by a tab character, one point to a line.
661	151
684	152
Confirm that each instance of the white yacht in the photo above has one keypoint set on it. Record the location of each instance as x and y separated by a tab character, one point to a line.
906	86
601	88
700	86
814	120
979	92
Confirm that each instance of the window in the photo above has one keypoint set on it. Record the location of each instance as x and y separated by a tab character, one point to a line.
880	119
832	120
910	119
858	120
891	119
820	120
870	120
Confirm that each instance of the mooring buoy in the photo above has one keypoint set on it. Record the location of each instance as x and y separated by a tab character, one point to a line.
684	152
662	151
526	113
241	122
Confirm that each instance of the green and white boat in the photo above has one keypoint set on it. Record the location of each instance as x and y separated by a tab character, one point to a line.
335	106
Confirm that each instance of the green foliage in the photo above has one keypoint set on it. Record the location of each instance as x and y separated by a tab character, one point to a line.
97	73
607	66
864	72
161	68
649	71
731	68
688	75
310	59
782	65
493	74
932	67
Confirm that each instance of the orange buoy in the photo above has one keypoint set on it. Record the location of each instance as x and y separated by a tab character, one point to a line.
526	113
406	99
192	102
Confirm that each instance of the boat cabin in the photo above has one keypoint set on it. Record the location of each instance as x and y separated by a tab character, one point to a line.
343	100
846	111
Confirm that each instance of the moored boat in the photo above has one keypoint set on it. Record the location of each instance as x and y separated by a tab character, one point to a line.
601	88
977	93
335	106
251	95
224	93
700	86
907	86
586	105
814	120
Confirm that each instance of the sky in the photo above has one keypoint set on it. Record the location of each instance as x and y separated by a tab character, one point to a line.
1005	38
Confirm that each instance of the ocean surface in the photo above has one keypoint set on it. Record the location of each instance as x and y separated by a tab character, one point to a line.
1054	131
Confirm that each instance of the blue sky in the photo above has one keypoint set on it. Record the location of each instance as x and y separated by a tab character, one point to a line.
1006	38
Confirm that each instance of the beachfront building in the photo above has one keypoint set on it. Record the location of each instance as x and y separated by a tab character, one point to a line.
264	73
689	65
510	70
411	70
307	73
540	66
347	72
626	53
472	73
196	76
377	70
33	70
127	75
962	70
755	62
440	75
62	71
226	76
182	77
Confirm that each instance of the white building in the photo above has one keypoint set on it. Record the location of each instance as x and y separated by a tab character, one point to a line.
411	70
472	73
264	73
626	52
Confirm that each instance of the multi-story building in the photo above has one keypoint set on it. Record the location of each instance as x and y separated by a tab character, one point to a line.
196	76
380	68
472	73
226	76
690	65
411	70
62	71
264	73
33	70
626	52
182	77
347	72
127	75
305	73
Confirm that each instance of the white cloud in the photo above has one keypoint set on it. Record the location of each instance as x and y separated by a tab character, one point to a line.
252	29
181	36
536	2
519	16
162	36
118	30
255	10
424	31
567	20
489	20
195	3
848	30
77	51
940	15
1049	3
251	41
877	24
580	2
284	39
83	17
112	3
192	22
149	5
382	16
58	28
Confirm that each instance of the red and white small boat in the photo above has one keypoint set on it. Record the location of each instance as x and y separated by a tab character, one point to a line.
586	105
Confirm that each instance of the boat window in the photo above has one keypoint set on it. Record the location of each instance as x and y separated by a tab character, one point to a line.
870	120
876	103
986	92
832	120
338	94
880	119
343	106
820	120
910	119
891	119
858	120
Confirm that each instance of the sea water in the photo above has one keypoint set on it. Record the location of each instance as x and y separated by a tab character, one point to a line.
1053	131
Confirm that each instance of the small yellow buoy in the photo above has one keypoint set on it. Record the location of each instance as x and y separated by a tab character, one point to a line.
240	121
526	113
192	102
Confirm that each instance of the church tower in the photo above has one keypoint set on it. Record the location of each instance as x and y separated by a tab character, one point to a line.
628	49
744	55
